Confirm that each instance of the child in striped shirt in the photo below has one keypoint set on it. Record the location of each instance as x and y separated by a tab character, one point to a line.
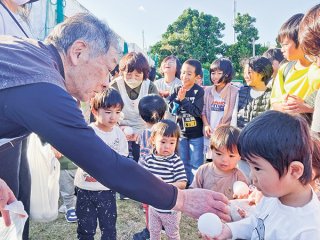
167	165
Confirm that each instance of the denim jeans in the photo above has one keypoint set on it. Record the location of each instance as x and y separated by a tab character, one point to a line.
191	153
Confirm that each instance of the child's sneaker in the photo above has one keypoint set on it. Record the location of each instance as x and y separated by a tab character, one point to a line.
71	216
62	209
143	235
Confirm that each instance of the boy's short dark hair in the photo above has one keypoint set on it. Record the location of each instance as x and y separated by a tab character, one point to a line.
280	139
152	108
225	136
115	70
152	74
290	29
262	66
135	61
274	54
178	64
109	97
224	65
166	128
197	65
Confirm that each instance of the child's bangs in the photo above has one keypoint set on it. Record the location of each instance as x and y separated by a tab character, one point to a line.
166	128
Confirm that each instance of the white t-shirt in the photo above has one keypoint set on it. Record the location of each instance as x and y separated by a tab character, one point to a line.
255	94
273	220
217	110
162	85
114	139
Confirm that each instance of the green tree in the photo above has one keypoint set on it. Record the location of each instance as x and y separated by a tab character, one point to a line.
192	35
247	33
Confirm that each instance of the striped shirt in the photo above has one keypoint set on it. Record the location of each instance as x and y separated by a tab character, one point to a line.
170	169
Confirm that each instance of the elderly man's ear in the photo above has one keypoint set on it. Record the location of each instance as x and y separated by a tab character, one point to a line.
78	51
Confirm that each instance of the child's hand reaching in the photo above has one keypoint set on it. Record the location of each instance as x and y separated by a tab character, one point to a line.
132	137
225	234
57	154
129	132
255	197
245	203
238	196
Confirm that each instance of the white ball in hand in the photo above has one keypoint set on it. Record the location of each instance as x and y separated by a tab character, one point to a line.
240	188
210	225
128	131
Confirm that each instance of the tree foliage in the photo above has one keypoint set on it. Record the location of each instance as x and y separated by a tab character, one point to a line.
192	35
198	35
247	35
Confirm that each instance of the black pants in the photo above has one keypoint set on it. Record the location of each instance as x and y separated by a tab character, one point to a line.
134	150
93	205
14	170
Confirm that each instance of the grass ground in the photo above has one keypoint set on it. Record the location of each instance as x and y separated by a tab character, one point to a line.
130	220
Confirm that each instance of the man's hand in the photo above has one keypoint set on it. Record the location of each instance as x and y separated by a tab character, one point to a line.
195	202
6	197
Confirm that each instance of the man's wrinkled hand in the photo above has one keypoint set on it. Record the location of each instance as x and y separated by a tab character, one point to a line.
6	197
195	202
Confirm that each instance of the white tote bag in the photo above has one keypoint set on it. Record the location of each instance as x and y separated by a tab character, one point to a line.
45	173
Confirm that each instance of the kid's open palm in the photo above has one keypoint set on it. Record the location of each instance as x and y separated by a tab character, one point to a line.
181	93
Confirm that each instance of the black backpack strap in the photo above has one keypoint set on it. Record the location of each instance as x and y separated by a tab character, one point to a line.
287	69
14	19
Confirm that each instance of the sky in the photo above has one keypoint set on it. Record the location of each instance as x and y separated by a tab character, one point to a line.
133	19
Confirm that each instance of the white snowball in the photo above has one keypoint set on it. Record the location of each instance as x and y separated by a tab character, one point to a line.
128	131
240	188
210	224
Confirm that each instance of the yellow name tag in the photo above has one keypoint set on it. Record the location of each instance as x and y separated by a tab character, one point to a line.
190	124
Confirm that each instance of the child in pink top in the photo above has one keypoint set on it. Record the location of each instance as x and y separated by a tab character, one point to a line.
219	100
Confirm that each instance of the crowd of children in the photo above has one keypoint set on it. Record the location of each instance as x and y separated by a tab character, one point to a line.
177	125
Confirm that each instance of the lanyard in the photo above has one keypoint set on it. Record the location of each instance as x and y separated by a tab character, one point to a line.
14	19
